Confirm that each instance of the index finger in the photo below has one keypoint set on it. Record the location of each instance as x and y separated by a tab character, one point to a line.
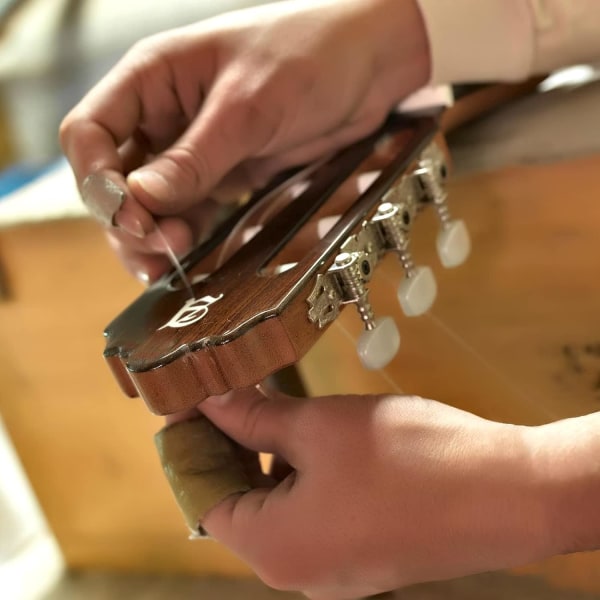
91	134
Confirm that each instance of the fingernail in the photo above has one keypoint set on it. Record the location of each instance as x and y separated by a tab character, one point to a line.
129	224
200	534
103	197
154	184
143	276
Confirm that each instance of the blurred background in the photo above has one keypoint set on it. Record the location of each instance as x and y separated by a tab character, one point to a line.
515	334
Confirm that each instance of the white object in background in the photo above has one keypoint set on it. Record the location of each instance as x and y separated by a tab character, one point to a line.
30	560
52	195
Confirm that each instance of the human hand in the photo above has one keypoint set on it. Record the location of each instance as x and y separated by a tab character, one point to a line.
386	491
230	101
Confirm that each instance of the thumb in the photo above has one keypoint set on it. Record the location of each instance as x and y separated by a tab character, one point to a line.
256	421
246	523
227	131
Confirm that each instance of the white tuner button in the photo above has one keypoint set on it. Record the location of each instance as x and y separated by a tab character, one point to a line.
377	347
417	293
453	243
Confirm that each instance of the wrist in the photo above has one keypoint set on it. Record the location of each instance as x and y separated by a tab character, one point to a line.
568	461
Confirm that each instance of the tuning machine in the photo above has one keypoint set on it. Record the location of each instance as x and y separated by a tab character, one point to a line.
345	283
379	343
418	289
453	242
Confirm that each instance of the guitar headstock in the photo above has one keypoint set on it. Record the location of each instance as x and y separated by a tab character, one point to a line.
275	275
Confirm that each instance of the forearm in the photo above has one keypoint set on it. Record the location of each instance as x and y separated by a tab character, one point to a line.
568	460
502	40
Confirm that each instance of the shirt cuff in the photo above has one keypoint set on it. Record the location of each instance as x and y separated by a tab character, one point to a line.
567	32
479	40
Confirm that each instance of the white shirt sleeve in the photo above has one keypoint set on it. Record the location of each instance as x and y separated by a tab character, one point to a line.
504	40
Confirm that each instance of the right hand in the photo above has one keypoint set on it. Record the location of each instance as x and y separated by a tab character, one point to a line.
232	100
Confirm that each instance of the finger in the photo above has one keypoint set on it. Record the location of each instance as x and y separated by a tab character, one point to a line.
255	421
279	469
201	465
134	152
229	128
91	134
140	98
107	197
146	268
252	523
170	234
147	259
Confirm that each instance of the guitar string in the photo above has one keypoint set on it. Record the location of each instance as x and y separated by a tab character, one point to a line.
502	377
483	361
272	197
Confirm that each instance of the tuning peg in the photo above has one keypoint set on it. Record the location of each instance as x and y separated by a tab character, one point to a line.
453	241
377	347
417	291
380	341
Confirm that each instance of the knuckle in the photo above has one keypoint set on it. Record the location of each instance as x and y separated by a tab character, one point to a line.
147	48
261	108
66	130
191	167
369	118
251	121
251	419
312	427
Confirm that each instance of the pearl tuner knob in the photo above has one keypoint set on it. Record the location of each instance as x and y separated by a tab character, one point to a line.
453	243
417	291
377	346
